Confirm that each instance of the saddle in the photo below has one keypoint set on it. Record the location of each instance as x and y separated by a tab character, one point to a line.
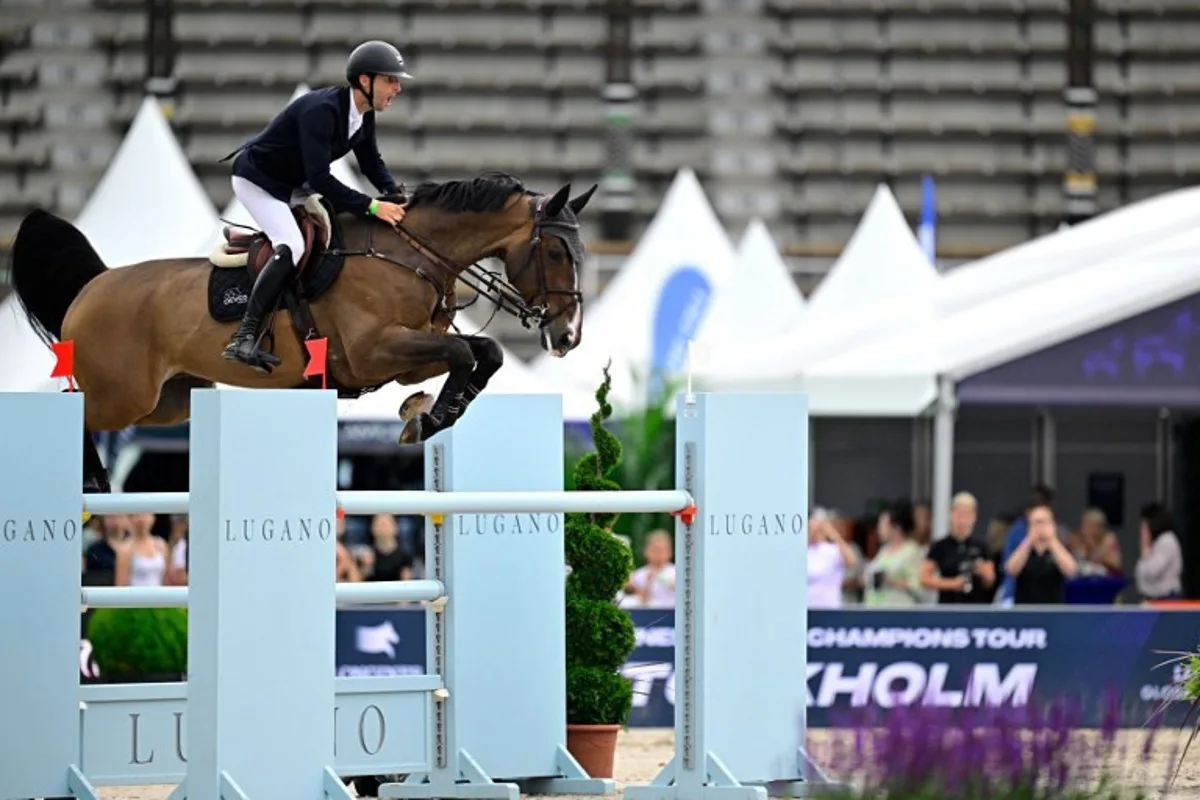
252	249
239	259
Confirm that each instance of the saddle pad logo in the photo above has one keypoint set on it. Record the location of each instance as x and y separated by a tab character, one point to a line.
233	297
378	640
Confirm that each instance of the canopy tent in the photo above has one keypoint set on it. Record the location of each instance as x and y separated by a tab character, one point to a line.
657	302
900	372
881	282
760	301
236	214
1126	229
149	187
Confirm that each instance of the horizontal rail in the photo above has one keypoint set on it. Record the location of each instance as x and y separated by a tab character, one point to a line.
423	502
347	594
137	503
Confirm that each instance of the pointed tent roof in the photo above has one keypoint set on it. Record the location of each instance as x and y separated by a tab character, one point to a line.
657	301
237	214
882	269
515	377
761	301
149	185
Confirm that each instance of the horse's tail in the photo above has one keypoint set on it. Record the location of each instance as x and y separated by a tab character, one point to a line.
51	263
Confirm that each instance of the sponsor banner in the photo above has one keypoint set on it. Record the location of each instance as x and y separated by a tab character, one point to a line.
872	659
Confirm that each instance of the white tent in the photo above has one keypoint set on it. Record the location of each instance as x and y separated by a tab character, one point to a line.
903	370
149	204
237	214
1062	252
657	302
882	282
515	377
760	301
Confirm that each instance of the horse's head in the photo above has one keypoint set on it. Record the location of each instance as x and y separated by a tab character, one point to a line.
543	265
536	236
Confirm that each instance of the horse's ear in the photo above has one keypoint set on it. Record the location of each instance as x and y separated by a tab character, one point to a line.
580	202
555	204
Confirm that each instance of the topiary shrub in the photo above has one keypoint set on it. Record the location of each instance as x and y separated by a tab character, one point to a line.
600	636
139	642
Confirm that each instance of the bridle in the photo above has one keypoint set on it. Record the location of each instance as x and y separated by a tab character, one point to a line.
494	286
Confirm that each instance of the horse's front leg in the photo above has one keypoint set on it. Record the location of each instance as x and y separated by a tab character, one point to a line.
400	351
488	360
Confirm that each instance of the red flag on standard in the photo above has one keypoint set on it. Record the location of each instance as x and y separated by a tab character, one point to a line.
64	362
317	349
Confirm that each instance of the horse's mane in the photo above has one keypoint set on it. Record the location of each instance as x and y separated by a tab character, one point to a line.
487	191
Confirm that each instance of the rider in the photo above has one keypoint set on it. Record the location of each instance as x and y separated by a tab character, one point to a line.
291	157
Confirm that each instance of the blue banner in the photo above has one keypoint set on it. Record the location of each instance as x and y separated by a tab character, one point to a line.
862	659
871	659
682	304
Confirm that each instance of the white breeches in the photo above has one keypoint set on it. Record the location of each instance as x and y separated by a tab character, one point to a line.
273	216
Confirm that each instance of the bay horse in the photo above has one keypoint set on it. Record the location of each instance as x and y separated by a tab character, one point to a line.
384	297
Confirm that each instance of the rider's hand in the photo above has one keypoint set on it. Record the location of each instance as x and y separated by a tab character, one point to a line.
390	213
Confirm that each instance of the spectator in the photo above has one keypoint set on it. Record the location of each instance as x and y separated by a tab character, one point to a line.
959	567
828	558
1095	547
1159	570
177	542
143	561
1041	565
391	562
923	523
1042	494
853	586
893	577
100	559
346	570
652	585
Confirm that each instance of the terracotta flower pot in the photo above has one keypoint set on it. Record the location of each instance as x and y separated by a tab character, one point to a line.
594	747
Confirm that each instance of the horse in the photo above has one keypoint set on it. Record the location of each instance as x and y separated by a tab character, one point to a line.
383	297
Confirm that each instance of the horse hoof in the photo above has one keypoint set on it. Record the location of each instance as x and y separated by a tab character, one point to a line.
412	431
416	404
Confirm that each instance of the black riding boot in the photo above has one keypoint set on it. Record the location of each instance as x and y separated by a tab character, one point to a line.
265	295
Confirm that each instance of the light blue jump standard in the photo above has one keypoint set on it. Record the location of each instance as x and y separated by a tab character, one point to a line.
740	605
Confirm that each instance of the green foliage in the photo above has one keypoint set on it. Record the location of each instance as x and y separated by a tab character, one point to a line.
134	642
599	635
648	462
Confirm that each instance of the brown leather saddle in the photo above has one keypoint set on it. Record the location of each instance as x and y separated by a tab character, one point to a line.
252	249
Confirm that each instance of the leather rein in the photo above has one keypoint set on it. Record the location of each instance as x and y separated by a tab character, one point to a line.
486	283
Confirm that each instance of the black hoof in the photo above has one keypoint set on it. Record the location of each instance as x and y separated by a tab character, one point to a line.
418	429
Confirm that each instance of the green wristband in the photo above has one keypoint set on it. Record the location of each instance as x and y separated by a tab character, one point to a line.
373	207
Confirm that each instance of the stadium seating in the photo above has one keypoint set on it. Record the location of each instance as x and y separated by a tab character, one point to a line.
790	109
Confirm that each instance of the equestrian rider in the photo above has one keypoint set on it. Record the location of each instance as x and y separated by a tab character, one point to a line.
290	158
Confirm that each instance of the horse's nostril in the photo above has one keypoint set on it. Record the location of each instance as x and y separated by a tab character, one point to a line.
566	339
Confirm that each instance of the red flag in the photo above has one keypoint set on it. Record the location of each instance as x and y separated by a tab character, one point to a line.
317	349
64	364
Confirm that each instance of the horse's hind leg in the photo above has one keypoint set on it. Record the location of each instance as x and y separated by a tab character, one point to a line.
95	476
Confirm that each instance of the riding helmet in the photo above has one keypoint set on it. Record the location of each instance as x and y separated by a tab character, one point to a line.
375	58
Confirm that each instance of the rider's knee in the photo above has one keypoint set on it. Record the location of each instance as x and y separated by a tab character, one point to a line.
295	246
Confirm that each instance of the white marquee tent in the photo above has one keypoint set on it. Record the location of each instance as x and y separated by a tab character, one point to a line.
881	282
150	187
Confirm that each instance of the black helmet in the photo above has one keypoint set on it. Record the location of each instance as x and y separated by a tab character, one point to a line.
375	58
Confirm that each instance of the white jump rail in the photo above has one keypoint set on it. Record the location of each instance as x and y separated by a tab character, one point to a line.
347	594
428	503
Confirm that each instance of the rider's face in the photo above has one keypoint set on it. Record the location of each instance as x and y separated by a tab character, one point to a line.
386	88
